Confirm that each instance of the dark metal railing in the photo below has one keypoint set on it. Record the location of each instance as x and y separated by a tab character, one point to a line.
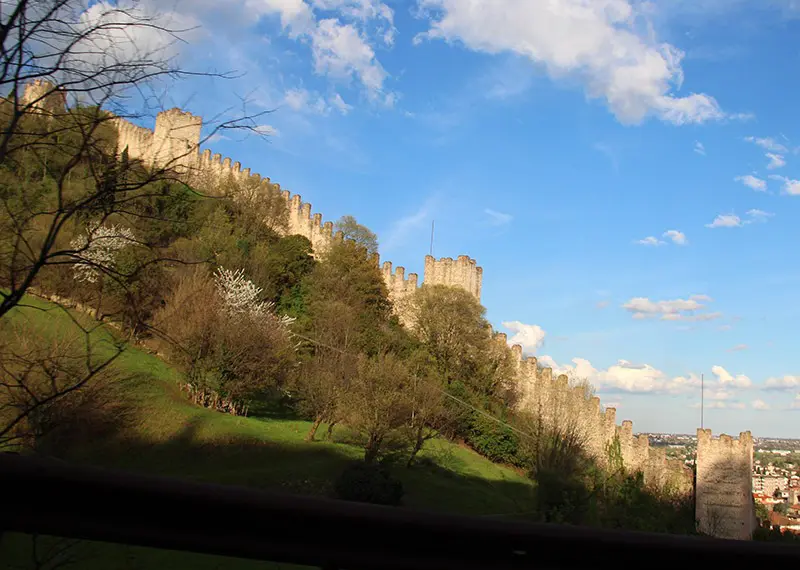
54	498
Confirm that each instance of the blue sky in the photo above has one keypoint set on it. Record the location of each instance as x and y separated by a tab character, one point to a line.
626	172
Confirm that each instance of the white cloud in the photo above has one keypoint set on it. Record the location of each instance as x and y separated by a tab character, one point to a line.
599	42
267	130
767	143
738	348
760	405
671	310
790	186
725	378
759	215
498	218
775	161
734	221
650	240
339	103
340	50
726	221
126	32
738	405
796	403
699	148
299	99
625	376
530	337
677	237
784	383
753	182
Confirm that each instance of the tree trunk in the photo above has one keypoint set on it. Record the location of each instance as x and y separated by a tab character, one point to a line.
329	433
314	427
372	448
418	443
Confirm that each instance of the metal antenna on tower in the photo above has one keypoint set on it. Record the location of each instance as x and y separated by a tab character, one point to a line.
702	399
433	223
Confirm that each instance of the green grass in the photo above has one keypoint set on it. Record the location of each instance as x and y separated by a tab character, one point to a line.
164	434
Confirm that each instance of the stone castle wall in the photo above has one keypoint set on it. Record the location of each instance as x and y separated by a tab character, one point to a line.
175	142
572	407
724	504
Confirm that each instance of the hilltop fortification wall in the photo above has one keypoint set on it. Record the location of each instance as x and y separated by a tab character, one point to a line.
724	504
175	142
177	138
574	407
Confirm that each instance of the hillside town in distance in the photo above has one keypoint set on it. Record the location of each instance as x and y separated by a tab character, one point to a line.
776	474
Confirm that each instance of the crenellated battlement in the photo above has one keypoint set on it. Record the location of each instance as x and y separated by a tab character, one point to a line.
175	142
573	407
462	272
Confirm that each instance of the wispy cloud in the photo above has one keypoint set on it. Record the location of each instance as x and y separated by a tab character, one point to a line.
651	241
753	182
609	152
734	221
498	218
790	186
738	348
775	161
767	143
678	238
403	227
761	405
691	309
787	383
675	236
699	148
726	221
759	215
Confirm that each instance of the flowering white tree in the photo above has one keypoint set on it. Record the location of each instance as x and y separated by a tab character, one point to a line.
240	297
97	250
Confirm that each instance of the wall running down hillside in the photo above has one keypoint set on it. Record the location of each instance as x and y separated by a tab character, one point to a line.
177	138
175	142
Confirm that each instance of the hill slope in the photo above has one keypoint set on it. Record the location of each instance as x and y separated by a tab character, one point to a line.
160	432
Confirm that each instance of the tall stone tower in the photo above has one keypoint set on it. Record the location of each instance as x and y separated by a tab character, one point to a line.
724	491
176	139
462	272
44	96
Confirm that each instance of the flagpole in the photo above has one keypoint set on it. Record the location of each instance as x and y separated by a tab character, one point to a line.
702	399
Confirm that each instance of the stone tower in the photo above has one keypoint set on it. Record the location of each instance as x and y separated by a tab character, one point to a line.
724	492
44	96
176	138
462	272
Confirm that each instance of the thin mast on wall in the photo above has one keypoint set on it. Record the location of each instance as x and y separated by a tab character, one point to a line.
702	398
433	223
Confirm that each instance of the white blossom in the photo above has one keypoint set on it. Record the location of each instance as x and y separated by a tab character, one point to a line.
97	249
240	297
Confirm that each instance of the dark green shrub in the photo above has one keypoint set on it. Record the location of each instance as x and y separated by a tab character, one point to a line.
369	483
494	441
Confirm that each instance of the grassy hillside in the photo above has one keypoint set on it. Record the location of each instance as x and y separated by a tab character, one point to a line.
160	432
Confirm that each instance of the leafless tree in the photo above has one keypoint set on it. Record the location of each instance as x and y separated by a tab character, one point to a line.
70	70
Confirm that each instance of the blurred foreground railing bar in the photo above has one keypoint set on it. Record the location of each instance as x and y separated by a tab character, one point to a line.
50	497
